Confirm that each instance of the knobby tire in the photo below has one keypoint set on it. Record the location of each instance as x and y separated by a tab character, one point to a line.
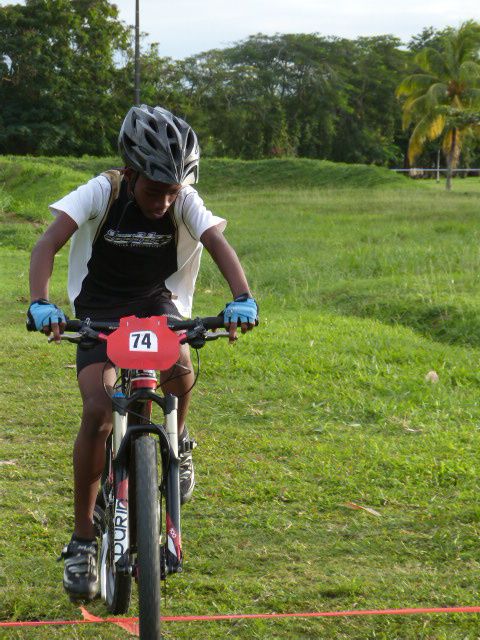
119	587
148	537
119	593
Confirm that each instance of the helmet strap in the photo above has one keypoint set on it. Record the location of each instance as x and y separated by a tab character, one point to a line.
131	185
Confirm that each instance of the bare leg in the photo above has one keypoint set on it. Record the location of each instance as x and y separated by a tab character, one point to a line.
180	385
89	449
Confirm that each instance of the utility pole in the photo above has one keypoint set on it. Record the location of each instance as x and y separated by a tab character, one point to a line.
137	52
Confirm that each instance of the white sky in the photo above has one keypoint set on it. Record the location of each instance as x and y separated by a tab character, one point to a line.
185	27
201	25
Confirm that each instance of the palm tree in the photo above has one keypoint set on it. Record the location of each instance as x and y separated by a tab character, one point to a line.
444	100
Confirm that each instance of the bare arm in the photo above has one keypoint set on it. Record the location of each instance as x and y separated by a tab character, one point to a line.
227	261
41	261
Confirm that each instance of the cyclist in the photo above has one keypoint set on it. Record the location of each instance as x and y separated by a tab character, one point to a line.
137	237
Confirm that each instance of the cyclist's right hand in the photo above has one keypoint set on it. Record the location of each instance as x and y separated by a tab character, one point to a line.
45	316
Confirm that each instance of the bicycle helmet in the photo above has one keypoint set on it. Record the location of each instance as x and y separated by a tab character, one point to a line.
159	145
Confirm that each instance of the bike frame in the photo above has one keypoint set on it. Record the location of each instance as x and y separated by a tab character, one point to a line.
138	393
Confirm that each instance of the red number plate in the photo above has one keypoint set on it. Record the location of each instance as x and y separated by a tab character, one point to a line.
143	343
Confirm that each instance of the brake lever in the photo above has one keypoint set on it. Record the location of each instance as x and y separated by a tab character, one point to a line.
214	335
73	337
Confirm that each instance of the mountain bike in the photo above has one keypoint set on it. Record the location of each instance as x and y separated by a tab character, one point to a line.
137	515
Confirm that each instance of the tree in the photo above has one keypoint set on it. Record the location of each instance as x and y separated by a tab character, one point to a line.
442	100
369	127
57	75
429	37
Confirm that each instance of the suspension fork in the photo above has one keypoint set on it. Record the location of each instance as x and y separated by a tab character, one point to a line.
119	479
140	400
124	516
173	547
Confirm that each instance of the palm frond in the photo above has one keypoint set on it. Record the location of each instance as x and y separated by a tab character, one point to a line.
418	82
472	97
432	61
470	72
468	40
444	100
418	139
436	94
437	126
450	59
413	109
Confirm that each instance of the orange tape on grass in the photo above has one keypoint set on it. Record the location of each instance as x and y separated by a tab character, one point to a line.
130	624
91	619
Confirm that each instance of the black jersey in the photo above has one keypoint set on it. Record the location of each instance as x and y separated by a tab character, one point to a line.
120	261
131	258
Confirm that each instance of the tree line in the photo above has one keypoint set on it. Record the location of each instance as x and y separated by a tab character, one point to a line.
66	81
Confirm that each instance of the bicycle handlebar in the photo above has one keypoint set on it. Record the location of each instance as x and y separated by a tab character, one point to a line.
196	331
210	322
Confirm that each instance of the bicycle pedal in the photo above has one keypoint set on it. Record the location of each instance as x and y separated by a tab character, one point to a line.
185	446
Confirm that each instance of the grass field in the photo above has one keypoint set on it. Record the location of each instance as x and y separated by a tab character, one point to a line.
364	288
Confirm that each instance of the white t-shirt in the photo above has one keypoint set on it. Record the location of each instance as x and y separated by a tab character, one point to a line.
87	206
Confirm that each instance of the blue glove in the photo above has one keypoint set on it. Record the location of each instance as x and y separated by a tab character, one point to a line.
242	310
43	313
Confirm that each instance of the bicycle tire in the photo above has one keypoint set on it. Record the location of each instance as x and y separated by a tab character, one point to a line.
148	537
118	586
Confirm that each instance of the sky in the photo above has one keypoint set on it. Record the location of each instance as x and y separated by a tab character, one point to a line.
186	27
201	25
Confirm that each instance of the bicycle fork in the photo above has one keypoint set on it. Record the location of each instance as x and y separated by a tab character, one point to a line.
171	552
121	532
173	547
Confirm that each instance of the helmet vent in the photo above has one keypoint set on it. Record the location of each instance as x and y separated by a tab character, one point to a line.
190	142
172	134
151	140
153	124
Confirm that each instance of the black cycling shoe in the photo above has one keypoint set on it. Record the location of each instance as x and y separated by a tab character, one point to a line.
80	577
187	473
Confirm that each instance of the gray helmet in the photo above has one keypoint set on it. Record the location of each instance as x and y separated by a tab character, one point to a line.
159	145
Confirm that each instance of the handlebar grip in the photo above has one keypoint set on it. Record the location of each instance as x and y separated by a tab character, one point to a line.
213	322
73	325
96	325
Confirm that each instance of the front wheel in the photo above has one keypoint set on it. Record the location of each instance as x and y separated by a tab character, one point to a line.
148	537
116	587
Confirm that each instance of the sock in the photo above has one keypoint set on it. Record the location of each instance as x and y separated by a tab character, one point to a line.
82	540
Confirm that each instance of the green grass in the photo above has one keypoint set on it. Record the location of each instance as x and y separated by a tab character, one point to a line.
362	293
31	183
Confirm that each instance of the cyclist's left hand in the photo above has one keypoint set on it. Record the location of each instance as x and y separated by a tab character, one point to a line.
244	311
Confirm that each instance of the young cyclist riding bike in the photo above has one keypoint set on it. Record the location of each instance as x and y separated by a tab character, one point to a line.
137	235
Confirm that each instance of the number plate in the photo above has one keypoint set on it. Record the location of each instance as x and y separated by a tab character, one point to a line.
143	341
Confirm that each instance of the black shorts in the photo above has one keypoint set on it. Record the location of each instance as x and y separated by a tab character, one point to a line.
98	353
